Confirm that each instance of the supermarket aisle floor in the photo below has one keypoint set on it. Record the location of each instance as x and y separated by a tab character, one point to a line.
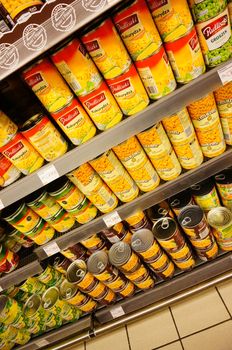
201	322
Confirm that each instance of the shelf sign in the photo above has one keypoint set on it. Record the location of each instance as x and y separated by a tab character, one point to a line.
41	342
117	312
225	74
112	219
51	249
48	174
1	205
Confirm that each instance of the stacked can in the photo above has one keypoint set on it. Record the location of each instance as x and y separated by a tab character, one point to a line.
144	244
51	277
159	211
78	274
14	335
117	233
206	121
8	259
35	315
98	264
180	200
77	251
72	200
8	172
17	294
181	133
122	257
10	243
170	238
193	221
220	219
11	312
137	221
94	243
205	195
108	52
33	286
18	11
224	186
230	10
61	264
115	176
158	148
19	237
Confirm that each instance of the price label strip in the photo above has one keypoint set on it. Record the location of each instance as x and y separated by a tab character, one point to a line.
225	74
48	174
51	249
42	342
112	219
1	205
117	312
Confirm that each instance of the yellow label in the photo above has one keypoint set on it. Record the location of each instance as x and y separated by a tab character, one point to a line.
169	270
73	198
187	264
208	201
151	252
189	153
98	290
132	263
182	253
91	242
7	129
89	306
117	284
159	263
148	283
203	243
129	289
213	251
44	236
86	282
137	274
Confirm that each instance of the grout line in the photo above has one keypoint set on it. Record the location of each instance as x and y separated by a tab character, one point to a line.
205	329
128	337
174	321
163	346
223	301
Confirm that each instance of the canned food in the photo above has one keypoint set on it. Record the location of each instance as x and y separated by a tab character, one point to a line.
121	256
50	277
221	219
62	221
172	18
106	49
77	68
209	253
48	85
115	175
20	238
168	271
43	135
203	245
11	312
230	10
160	263
6	21
14	335
41	233
20	11
186	264
84	212
35	315
90	183
72	295
224	186
215	38
93	243
77	251
135	160
8	172
205	9
128	290
181	254
137	221
75	122
108	298
144	244
88	306
5	345
61	264
158	148
137	29
117	233
12	245
129	92
33	286
186	57
8	260
8	129
205	195
156	74
22	154
159	211
194	223
146	283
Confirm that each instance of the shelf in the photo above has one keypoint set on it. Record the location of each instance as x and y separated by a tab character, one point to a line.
28	266
145	201
58	335
20	46
170	288
127	128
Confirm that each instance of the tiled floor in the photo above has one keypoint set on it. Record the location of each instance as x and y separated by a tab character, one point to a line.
201	322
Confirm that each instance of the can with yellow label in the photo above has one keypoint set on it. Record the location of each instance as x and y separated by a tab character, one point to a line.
8	129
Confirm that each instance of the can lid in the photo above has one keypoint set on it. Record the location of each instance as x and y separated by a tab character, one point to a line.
32	305
76	271
190	216
180	200
142	240
35	196
50	297
119	253
67	290
164	228
219	217
225	177
202	188
97	262
156	212
30	123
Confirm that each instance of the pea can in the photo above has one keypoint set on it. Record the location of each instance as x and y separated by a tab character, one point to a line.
20	238
12	245
6	345
221	220
50	277
48	85
22	155
137	221
224	186
33	286
137	30
19	11
8	172
205	195
204	10
8	129
35	315
43	204
62	221
11	312
14	335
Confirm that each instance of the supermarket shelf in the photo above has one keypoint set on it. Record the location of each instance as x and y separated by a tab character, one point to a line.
58	335
127	128
170	288
55	22
143	202
29	266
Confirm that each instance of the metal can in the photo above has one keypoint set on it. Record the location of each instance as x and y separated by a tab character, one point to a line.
128	290
14	335
102	107
8	172
20	238
172	18
117	233
76	251
205	195
41	233
33	286
159	211
186	57
132	156
203	10
61	264
106	49
35	315
50	277
8	129
48	85
158	148
62	221
6	345
215	38
21	11
122	257
12	245
187	264
208	254
8	260
129	91
43	204
137	221
90	183
11	312
77	68
160	263
6	22
93	243
144	244
203	245
88	306
137	30
108	298
156	74
43	135
221	220
22	154
84	212
115	175
75	122
224	186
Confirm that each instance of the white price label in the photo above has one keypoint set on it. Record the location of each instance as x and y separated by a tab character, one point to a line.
42	342
51	249
1	289
225	74
112	219
117	312
1	205
48	174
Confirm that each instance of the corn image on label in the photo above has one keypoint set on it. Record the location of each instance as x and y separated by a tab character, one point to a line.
189	153
8	129
15	8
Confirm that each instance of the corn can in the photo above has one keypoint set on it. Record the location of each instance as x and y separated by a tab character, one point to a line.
137	30
135	160
224	186
205	195
75	123
94	242
43	135
62	221
159	211
144	244
33	286
84	212
102	107
22	154
138	220
77	68
129	92
122	257
107	50
115	176
90	183
41	233
203	10
18	10
158	148
35	315
117	233
8	129
8	172
11	312
77	251
43	204
70	293
50	277
48	85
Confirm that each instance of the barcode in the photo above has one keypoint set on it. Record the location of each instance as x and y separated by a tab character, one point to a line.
75	85
152	90
188	131
111	201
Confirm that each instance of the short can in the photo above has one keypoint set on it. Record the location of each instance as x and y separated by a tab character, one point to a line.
138	220
209	253
61	264
181	254
35	315
11	312
223	182
108	298
77	273
117	233
14	335
8	129
20	238
12	245
41	233
167	272
205	195
121	256
186	57
193	221
203	244
144	244
147	283
43	204
128	290
187	264
94	242
230	10
48	85
138	275
129	92
84	212
50	277
98	264
70	293
33	286
21	11
204	10
62	221
88	306
8	172
159	211
76	251
220	218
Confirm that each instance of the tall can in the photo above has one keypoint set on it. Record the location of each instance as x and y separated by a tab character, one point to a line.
138	220
204	10
50	277
42	233
35	315
8	172
205	195
33	286
11	312
117	233
8	129
224	186
62	221
221	220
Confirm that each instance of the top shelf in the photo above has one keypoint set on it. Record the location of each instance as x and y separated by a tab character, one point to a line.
112	137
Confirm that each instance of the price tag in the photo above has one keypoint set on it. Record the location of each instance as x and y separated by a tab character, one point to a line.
117	312
42	342
51	249
48	174
112	219
1	289
1	205
225	74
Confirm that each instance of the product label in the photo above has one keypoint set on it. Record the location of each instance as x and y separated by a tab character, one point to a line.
37	82
122	89
98	104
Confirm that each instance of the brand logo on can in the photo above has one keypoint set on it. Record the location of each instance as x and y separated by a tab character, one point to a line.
94	5
10	152
68	117
193	42
34	37
122	85
34	79
5	164
127	23
215	27
9	56
92	46
96	100
82	50
156	4
63	17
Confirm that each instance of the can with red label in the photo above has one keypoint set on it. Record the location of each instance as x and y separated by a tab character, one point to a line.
8	172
